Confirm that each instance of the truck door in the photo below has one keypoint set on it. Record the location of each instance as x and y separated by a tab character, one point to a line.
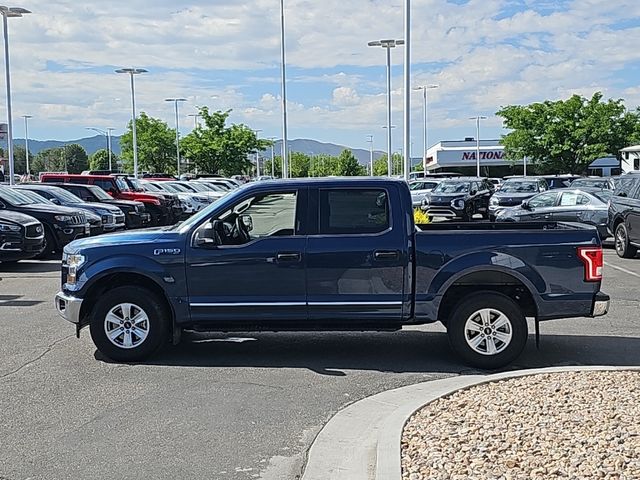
633	218
357	254
248	263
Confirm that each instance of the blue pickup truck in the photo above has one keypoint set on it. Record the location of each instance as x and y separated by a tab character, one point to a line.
327	255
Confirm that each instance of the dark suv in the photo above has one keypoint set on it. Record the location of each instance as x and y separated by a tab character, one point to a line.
21	236
135	215
459	198
624	215
61	224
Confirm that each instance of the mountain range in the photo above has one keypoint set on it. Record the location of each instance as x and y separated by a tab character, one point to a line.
303	145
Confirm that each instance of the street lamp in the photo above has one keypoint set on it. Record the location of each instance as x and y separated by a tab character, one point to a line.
9	12
370	142
425	137
407	89
195	116
285	158
175	103
273	161
257	155
26	142
388	45
477	119
131	72
389	170
107	136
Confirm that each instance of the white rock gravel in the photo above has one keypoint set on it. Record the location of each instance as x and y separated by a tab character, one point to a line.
574	425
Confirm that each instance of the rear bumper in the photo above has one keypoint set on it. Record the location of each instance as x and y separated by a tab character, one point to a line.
601	305
68	307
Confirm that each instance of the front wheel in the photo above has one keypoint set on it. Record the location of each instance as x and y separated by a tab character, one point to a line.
623	248
488	330
129	324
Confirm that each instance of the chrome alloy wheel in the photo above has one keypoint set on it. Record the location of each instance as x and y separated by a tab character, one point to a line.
126	325
620	241
488	331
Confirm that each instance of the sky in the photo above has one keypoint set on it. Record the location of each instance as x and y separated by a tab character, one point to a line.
225	54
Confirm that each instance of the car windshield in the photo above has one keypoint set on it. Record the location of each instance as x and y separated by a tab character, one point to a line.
135	184
151	187
177	187
586	182
99	193
519	187
199	187
185	188
35	197
423	185
604	195
14	197
122	184
452	187
64	196
211	187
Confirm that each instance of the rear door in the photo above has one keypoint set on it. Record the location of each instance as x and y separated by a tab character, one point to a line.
633	216
569	207
357	255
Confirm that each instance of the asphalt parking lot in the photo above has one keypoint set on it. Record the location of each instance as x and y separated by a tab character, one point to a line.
228	407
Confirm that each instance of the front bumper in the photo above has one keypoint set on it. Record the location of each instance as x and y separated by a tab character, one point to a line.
66	233
68	307
442	211
601	305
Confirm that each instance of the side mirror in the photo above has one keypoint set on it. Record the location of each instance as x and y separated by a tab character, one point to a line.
525	205
248	222
209	239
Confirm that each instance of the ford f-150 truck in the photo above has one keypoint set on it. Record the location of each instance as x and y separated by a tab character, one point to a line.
329	254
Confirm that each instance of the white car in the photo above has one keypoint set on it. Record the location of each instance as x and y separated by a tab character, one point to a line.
191	202
420	188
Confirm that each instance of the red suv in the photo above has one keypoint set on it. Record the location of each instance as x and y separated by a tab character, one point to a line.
160	208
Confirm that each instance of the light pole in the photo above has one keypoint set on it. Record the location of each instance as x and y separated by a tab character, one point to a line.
107	136
195	116
131	72
389	161
388	45
407	89
285	157
175	103
9	12
273	161
477	119
370	142
257	155
26	142
425	136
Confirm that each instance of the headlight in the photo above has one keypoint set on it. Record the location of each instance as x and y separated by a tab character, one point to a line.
62	218
458	204
7	227
426	202
73	262
494	201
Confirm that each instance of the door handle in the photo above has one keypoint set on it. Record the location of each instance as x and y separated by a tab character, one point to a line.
386	254
288	257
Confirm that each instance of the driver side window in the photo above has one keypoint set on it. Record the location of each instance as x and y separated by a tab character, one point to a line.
544	200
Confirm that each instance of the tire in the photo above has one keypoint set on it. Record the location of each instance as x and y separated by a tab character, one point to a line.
144	337
500	316
623	248
467	216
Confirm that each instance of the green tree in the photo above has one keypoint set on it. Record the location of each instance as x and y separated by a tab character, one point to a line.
347	165
156	145
49	160
215	147
266	166
100	160
300	165
75	158
323	166
19	160
565	136
380	165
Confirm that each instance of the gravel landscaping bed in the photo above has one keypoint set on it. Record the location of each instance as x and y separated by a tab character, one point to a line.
576	425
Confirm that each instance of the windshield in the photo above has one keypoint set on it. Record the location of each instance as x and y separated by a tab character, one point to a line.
198	187
64	196
99	193
151	187
423	185
16	198
176	187
135	184
184	188
211	186
452	187
604	195
589	183
122	184
519	187
35	197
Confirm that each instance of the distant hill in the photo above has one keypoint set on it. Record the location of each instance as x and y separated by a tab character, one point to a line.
307	146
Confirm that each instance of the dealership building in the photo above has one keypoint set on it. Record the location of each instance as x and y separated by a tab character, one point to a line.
460	157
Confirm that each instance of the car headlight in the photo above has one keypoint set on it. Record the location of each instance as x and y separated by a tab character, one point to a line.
7	227
494	202
73	262
458	204
62	218
426	202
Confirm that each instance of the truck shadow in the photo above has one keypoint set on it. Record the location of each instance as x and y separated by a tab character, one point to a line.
400	352
30	266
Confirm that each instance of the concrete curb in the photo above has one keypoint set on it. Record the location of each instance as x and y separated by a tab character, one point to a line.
362	441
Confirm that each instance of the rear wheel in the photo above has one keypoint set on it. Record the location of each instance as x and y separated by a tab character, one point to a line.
129	324
488	330
48	245
623	248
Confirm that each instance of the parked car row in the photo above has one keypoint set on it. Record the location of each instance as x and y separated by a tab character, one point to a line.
39	219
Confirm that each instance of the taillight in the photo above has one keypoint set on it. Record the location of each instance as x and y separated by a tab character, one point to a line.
593	262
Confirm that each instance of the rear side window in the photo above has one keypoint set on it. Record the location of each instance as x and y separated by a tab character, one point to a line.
626	186
353	211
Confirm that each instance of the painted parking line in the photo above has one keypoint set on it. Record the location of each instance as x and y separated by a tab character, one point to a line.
624	270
